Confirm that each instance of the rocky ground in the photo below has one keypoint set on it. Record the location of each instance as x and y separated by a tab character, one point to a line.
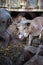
15	54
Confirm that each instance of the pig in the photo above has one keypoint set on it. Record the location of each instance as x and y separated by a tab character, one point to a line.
34	28
5	21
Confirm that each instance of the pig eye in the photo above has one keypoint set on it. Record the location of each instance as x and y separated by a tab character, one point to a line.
17	28
24	28
28	24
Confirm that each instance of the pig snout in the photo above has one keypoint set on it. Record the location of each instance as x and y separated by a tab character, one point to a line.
21	37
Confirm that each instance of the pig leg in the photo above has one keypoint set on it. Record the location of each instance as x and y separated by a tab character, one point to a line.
40	33
40	36
29	42
6	37
30	39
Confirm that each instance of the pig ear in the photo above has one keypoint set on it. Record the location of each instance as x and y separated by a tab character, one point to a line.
6	10
28	23
9	22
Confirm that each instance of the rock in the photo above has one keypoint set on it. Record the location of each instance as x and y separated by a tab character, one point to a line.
4	60
31	49
36	42
25	56
35	60
34	50
41	51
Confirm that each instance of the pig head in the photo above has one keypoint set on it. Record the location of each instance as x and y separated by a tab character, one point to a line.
23	28
5	20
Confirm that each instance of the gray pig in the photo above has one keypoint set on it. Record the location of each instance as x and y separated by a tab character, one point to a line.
34	29
5	21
